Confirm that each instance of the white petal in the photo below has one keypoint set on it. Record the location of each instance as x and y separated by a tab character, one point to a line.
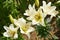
30	6
28	34
34	22
22	31
31	29
16	23
42	22
34	6
29	18
45	14
40	10
53	8
28	24
50	18
15	36
44	3
26	14
54	13
49	4
6	34
6	28
11	27
22	21
30	11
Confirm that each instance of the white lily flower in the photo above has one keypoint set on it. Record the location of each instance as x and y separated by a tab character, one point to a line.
10	32
25	28
49	10
37	17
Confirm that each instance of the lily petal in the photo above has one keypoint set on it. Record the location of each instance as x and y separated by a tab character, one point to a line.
6	28
34	22
15	36
16	23
22	31
31	29
30	11
6	34
11	27
44	3
29	18
22	21
49	4
28	34
52	8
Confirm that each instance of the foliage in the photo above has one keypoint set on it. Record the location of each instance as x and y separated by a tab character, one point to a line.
43	31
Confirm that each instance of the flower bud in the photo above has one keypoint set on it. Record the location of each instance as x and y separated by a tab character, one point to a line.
37	3
11	18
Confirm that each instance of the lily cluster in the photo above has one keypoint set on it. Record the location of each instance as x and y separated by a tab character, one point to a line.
36	17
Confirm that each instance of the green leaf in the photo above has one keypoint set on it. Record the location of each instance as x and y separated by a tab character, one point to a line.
42	31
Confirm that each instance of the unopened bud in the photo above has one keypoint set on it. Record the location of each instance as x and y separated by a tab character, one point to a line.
11	18
37	3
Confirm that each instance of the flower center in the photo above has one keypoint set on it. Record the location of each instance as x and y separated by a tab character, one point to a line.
38	17
12	33
25	28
